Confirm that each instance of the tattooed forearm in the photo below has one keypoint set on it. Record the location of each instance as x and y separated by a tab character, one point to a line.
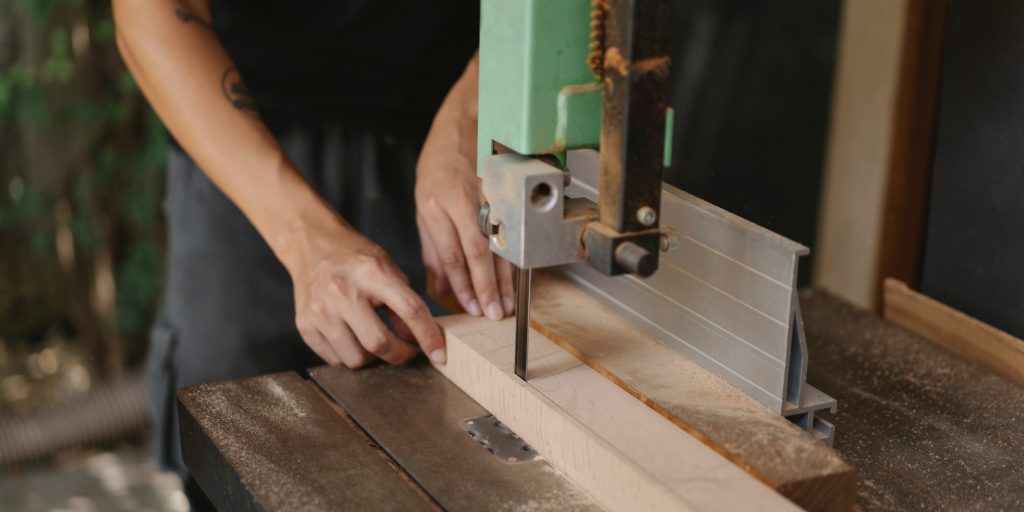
185	16
236	93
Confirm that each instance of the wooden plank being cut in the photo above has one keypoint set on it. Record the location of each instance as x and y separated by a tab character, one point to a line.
621	452
729	421
955	331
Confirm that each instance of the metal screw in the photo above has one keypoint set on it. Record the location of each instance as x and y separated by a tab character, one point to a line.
646	215
669	243
483	219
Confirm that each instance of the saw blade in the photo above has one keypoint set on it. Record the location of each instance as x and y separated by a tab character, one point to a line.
523	277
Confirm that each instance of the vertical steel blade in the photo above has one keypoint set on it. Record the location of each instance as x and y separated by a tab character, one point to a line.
523	276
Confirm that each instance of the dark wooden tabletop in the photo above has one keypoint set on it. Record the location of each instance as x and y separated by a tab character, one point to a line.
925	429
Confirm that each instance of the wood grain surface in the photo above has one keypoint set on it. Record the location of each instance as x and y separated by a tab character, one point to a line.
925	428
862	131
621	452
756	439
274	443
957	332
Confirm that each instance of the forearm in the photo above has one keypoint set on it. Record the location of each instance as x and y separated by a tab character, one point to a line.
462	97
456	120
452	136
193	86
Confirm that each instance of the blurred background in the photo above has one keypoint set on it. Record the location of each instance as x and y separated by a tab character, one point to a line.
823	120
81	179
81	237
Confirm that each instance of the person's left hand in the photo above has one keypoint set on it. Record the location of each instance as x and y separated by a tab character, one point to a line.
448	198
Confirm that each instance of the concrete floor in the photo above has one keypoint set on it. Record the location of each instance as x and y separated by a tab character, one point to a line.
124	479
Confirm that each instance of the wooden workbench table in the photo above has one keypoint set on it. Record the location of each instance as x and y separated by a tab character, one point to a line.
926	430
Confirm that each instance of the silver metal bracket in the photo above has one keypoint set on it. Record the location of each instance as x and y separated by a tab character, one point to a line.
527	195
498	439
725	296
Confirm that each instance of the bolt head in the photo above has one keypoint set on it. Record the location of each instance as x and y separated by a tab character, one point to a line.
669	243
647	216
483	219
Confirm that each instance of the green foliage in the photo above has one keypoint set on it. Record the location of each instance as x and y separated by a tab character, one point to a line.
136	285
80	153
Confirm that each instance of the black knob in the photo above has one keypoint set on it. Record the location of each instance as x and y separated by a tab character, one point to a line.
635	259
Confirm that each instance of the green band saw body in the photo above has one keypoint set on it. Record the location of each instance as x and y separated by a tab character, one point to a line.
538	96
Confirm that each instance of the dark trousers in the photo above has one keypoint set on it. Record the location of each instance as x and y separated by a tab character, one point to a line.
228	308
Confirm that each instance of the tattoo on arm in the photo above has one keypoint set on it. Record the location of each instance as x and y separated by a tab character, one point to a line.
186	16
231	84
236	93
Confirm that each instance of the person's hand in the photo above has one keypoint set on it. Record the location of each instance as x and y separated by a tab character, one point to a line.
448	198
339	285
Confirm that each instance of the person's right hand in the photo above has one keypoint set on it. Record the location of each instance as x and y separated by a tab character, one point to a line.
448	197
339	284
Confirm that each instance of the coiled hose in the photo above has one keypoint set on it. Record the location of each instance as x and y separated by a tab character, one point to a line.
109	412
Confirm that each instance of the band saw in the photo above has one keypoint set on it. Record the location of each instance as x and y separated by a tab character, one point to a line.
550	94
575	129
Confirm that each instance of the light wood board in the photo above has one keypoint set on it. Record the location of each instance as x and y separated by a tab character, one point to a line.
955	331
621	452
863	123
767	445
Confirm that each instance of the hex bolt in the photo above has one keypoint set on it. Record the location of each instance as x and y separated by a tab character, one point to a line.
646	215
483	219
669	243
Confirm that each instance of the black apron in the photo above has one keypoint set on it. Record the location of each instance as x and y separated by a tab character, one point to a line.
228	308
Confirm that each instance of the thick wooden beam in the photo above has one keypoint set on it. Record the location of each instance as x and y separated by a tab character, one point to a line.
621	452
727	420
957	332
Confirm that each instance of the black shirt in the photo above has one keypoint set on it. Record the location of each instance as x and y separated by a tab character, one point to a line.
373	63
